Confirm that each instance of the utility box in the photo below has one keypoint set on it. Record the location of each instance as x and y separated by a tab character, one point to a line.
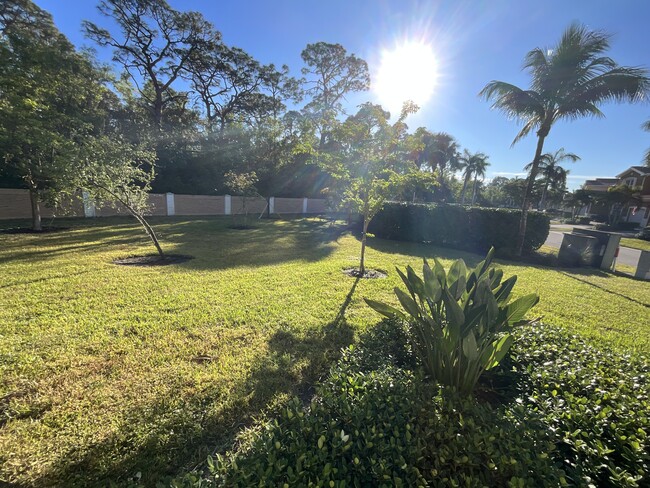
606	249
643	267
578	250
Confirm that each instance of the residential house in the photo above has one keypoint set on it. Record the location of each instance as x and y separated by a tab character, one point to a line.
638	176
633	176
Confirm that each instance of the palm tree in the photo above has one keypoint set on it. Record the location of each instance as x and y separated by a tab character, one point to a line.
552	173
569	81
470	163
480	167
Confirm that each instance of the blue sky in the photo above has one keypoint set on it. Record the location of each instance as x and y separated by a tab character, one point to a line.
474	41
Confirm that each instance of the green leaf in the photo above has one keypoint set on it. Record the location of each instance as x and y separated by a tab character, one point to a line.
408	303
455	315
516	310
432	287
416	282
500	350
457	278
384	309
470	349
503	293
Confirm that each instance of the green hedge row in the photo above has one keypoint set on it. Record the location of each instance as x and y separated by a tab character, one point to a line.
470	228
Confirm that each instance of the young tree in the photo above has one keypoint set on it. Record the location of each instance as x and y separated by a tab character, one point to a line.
119	174
372	163
569	81
50	98
242	184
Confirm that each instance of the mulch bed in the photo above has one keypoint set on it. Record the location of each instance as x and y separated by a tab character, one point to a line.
153	260
369	274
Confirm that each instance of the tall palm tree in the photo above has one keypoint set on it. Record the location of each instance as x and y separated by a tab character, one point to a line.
443	153
469	164
480	166
552	173
569	81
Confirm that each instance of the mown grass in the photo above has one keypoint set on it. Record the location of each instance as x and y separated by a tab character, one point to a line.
635	243
109	371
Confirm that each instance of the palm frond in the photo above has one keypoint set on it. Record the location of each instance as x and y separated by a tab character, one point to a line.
525	130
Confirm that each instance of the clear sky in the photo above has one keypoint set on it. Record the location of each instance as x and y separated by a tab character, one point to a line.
473	41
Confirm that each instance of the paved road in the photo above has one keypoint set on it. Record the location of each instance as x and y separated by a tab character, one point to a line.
627	256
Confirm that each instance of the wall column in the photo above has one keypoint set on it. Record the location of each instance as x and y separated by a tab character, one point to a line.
305	202
272	205
227	205
89	205
171	210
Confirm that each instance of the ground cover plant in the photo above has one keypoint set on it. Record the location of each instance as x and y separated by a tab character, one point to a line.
117	373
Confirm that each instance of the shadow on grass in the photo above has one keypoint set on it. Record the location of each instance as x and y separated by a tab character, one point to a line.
574	272
183	430
209	240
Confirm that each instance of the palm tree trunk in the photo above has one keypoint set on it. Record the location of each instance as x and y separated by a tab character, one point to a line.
462	193
529	190
474	190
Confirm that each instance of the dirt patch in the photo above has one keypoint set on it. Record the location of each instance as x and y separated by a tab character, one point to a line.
27	230
153	260
369	274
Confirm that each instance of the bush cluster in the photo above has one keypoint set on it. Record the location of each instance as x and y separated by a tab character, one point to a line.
567	414
470	228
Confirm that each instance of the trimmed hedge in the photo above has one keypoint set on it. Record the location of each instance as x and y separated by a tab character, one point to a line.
470	228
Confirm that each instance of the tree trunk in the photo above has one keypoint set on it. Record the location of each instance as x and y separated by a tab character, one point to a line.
462	193
150	232
36	210
542	202
529	190
474	191
362	263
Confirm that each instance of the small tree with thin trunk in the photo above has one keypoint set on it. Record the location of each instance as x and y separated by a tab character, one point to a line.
372	165
118	174
242	184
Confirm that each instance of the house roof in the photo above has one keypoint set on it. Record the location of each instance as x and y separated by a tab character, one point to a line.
601	182
641	170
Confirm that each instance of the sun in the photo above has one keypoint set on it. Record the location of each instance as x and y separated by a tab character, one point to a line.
406	72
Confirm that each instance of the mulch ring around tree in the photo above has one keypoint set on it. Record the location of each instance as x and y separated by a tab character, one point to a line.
29	230
369	274
153	260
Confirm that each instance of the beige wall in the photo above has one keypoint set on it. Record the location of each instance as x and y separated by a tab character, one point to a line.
14	204
199	205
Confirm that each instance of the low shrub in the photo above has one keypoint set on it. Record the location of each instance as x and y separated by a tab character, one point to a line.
597	401
470	228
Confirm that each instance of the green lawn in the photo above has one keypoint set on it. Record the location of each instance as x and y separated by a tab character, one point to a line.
635	243
107	371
